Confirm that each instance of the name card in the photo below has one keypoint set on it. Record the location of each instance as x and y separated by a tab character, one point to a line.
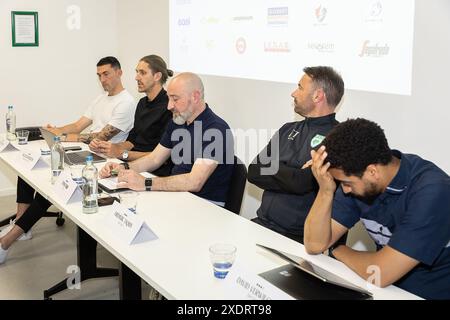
32	160
5	145
127	226
243	285
67	189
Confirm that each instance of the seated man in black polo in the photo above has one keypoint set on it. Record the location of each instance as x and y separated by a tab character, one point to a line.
199	143
290	188
151	117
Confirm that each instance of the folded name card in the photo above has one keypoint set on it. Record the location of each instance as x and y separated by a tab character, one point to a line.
243	285
67	189
5	145
31	160
128	226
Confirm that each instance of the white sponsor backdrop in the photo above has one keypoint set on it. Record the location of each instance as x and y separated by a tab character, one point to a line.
262	40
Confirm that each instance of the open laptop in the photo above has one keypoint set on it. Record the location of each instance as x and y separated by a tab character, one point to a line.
316	271
70	157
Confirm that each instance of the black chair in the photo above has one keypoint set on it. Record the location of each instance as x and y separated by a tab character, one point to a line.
58	215
237	187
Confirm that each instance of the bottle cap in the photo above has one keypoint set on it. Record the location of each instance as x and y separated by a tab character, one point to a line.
56	138
89	158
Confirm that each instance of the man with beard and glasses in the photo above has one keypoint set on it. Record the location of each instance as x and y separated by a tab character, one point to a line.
151	117
402	200
290	189
199	143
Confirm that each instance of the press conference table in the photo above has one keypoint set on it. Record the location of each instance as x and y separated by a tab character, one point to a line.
177	263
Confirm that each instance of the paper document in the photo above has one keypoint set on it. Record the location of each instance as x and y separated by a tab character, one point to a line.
111	184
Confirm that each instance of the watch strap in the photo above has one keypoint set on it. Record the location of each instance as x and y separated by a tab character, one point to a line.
148	184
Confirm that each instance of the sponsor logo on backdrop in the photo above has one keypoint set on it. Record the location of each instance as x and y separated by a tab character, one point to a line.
322	47
184	22
210	20
375	12
321	13
241	45
277	46
242	18
278	16
376	9
374	50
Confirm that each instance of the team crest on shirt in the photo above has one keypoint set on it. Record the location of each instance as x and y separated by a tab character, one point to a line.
318	138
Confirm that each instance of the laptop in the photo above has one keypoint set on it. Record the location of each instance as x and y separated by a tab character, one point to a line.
323	275
70	158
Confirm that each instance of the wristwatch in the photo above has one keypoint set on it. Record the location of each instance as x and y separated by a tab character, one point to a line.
148	184
125	155
330	251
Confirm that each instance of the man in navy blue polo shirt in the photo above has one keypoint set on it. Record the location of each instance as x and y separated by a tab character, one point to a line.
199	143
402	200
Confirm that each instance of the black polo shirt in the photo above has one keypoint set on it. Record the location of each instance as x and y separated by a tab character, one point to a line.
150	122
208	137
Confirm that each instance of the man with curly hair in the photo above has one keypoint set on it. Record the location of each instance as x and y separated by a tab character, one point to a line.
402	200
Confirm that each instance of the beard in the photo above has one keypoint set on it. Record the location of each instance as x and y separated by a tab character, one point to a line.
370	194
302	109
182	117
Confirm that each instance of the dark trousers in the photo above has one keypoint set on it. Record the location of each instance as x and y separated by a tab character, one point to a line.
38	205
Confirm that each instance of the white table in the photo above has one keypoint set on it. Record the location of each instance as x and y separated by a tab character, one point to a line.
177	264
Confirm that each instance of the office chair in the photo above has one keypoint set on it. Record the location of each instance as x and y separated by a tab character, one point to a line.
58	215
237	187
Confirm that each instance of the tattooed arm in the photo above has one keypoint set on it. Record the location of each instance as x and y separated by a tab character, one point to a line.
72	128
106	134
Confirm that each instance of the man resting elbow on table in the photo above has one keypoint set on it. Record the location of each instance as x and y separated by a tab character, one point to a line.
402	200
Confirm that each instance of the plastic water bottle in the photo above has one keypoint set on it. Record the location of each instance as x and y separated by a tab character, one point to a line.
90	175
10	124
57	158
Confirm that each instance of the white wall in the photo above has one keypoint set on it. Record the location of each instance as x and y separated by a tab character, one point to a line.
55	82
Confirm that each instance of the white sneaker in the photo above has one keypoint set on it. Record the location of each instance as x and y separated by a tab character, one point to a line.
3	254
24	236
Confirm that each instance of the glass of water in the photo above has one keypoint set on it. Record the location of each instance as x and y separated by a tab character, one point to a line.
22	136
222	258
129	200
76	171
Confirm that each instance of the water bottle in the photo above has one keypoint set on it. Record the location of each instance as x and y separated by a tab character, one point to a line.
10	124
57	158
90	174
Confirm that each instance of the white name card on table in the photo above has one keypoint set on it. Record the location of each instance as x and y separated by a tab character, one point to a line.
67	189
32	160
243	285
5	145
128	226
